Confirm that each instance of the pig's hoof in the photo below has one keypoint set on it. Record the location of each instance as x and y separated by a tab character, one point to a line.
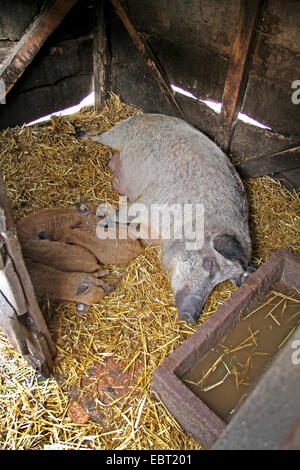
101	272
251	268
82	308
84	135
82	208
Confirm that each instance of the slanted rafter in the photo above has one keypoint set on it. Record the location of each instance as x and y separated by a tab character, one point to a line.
32	40
148	55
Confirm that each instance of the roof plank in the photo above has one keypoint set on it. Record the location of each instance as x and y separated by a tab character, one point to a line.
30	43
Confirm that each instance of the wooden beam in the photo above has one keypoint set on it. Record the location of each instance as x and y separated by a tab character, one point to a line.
148	55
238	68
270	164
101	55
32	40
30	337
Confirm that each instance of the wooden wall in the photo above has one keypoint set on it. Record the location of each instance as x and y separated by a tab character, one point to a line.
243	54
60	75
194	43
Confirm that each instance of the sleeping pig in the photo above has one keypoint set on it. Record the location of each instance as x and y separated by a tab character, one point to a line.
163	161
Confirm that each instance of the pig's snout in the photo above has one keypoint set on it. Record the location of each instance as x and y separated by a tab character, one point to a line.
189	305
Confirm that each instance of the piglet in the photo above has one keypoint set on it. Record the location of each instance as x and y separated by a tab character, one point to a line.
114	250
60	255
83	288
41	224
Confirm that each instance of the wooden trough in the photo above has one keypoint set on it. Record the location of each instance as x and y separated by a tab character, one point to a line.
168	379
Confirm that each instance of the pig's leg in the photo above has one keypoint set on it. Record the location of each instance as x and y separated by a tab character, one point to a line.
116	218
83	308
79	287
82	208
137	219
101	273
91	213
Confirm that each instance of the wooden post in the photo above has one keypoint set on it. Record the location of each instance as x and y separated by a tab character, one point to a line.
102	55
267	165
238	68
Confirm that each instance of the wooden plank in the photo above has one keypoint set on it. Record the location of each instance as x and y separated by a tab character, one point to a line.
40	101
16	15
101	55
275	67
290	179
185	24
42	348
31	42
133	80
148	55
192	39
60	77
273	106
251	141
270	164
237	74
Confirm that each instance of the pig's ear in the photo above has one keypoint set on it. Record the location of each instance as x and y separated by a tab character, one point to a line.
210	264
239	281
230	247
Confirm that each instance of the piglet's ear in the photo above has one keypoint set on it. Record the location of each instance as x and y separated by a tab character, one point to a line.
230	247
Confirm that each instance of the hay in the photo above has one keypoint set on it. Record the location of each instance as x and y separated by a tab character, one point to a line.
45	166
274	217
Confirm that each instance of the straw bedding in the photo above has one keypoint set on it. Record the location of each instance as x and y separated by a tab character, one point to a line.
136	326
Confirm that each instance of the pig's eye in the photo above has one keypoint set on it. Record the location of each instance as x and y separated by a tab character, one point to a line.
210	264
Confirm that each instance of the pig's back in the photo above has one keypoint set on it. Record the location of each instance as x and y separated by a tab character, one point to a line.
166	160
